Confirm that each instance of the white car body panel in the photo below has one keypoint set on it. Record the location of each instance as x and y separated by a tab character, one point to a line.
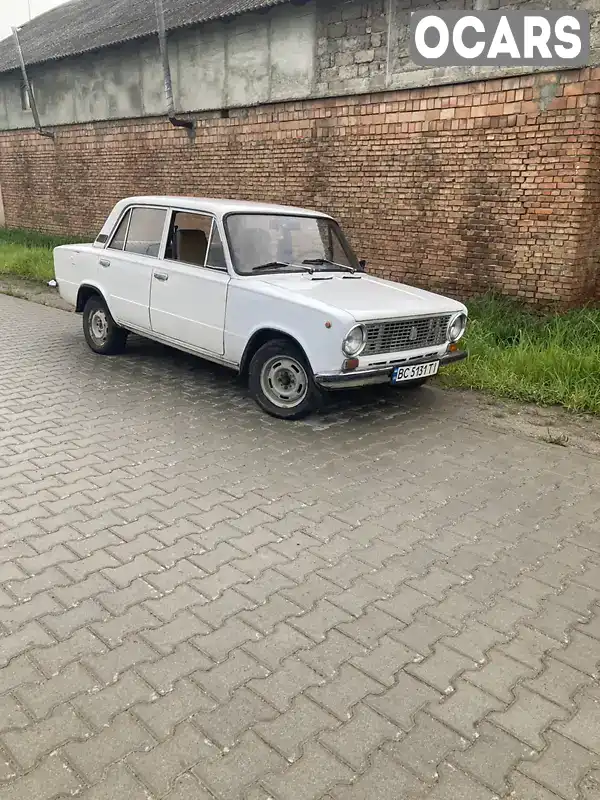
190	306
215	313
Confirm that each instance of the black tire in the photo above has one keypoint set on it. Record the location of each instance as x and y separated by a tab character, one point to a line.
101	332
267	377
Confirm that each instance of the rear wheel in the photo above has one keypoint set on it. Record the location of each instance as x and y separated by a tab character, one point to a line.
281	381
101	332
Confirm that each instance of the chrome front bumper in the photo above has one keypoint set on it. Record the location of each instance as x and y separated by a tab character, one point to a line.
367	377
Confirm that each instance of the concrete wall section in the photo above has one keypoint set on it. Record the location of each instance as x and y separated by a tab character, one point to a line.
255	58
199	80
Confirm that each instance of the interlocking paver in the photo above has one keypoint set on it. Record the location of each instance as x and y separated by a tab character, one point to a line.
118	782
401	703
40	699
386	660
228	606
584	727
492	757
52	778
30	744
165	672
288	732
354	741
92	757
284	641
11	714
561	766
101	707
558	682
222	680
385	779
465	708
310	777
528	717
425	746
280	688
228	775
159	766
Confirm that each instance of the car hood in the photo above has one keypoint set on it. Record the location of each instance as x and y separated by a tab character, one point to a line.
363	296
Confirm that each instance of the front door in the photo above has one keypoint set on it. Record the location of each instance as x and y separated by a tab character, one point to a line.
188	294
126	265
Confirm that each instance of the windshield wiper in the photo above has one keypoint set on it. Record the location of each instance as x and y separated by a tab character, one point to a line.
322	261
272	265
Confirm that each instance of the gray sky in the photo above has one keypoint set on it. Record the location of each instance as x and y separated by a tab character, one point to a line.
16	12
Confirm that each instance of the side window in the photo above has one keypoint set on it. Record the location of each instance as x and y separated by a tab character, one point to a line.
216	252
189	237
118	240
145	231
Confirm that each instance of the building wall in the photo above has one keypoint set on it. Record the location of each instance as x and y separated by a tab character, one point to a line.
255	58
466	188
320	48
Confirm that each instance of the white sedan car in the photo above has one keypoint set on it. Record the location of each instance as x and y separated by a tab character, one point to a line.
273	292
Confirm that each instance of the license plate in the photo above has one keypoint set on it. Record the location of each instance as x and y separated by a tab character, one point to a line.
414	371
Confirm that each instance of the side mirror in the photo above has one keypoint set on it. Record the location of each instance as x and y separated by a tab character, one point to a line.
362	264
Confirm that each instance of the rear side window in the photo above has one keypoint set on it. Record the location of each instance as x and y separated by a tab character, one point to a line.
118	240
145	231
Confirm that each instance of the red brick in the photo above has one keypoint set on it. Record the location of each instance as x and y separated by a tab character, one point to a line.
513	185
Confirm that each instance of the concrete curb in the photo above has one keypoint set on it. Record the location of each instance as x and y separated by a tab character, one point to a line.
32	290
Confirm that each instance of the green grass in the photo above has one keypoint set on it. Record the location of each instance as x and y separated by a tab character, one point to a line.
28	254
551	359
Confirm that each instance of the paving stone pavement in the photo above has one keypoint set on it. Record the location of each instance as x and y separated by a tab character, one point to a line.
198	601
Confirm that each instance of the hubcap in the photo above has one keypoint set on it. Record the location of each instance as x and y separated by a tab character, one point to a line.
99	326
284	381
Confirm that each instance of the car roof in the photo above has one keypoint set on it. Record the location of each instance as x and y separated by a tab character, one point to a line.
219	206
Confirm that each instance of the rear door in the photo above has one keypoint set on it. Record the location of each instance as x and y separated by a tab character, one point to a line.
189	285
125	266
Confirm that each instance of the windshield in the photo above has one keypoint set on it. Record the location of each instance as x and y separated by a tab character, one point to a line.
286	243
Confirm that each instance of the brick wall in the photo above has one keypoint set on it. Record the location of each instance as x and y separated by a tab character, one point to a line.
462	189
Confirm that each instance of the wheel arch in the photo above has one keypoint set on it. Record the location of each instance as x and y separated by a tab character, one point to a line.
261	337
85	291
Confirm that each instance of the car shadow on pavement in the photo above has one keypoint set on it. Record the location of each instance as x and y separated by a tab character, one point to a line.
340	406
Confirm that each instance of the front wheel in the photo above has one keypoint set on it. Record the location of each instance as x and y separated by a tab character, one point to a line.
101	332
281	381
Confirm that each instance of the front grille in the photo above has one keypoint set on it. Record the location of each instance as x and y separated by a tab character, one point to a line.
405	334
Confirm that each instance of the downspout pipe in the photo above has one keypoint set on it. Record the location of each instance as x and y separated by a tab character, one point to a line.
164	53
28	89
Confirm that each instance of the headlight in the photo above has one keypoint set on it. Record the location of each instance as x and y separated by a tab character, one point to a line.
354	341
456	326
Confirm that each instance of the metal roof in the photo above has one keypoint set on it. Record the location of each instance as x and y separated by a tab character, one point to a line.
80	26
214	205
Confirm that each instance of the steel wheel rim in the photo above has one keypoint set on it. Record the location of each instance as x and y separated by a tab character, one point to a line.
284	381
99	326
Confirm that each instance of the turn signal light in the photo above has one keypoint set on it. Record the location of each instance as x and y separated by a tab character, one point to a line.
452	348
350	364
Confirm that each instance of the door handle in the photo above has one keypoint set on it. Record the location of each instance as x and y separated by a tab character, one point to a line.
161	276
104	262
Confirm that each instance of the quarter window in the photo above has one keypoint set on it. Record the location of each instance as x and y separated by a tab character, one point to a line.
216	252
145	231
118	240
